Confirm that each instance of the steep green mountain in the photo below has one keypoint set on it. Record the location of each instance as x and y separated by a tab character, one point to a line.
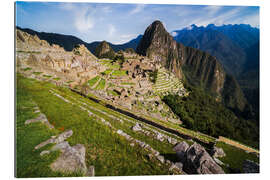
237	48
198	67
104	50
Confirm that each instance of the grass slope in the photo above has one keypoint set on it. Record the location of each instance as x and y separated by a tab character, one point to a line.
107	151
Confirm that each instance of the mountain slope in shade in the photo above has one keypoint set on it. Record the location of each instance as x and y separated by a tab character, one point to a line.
229	43
191	63
68	42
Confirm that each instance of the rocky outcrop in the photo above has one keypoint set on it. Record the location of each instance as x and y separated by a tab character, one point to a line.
104	50
195	160
218	152
198	67
198	161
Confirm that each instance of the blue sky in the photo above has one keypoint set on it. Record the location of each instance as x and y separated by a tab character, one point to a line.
119	23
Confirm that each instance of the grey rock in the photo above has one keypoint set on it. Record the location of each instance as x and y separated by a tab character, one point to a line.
198	161
218	152
250	167
137	127
44	152
159	137
72	159
179	165
161	158
180	150
219	162
60	138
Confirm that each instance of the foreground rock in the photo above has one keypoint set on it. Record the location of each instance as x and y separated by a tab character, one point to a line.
72	159
41	118
250	167
198	161
218	152
180	150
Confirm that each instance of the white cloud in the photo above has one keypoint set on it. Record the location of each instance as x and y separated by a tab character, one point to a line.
111	30
212	10
83	20
137	9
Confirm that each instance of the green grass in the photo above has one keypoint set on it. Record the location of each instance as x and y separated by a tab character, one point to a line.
93	81
113	93
235	157
119	73
27	69
101	84
56	79
127	83
37	73
107	151
107	71
28	161
47	76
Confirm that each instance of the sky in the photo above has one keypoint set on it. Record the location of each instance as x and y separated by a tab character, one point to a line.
119	23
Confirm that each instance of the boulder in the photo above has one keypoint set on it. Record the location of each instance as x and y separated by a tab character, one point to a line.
161	158
72	159
218	152
137	127
180	150
250	167
198	161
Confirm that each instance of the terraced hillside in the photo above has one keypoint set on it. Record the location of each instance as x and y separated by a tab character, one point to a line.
167	83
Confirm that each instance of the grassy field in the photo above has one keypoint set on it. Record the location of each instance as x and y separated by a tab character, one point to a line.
101	84
235	157
110	153
119	73
93	81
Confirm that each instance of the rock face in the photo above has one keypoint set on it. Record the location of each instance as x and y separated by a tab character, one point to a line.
198	161
197	65
104	50
180	150
250	167
195	160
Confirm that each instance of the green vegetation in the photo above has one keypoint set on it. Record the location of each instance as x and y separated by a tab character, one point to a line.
56	79
47	76
101	84
29	163
130	50
27	69
119	73
235	157
110	153
201	112
37	73
107	71
93	81
114	93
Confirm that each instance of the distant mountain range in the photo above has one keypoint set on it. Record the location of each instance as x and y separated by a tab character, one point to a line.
68	42
229	43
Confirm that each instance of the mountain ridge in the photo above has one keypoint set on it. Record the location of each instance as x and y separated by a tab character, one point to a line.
159	45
